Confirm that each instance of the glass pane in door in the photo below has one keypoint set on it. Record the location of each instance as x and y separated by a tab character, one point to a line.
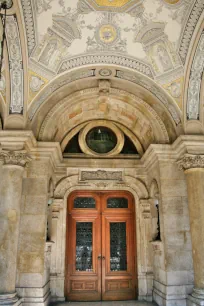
118	247
84	202
84	246
117	203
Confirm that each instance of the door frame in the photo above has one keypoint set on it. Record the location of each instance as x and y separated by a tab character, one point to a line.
82	192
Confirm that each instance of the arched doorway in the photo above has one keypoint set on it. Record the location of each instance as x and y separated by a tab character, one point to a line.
100	246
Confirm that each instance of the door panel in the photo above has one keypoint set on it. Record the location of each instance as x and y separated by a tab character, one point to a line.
100	247
84	268
118	271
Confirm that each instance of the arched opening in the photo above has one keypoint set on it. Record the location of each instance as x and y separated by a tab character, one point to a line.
100	261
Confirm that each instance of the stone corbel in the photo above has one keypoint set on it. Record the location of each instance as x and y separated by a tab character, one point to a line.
189	161
18	158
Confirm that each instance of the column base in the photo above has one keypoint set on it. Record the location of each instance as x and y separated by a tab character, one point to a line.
35	296
10	299
196	298
165	295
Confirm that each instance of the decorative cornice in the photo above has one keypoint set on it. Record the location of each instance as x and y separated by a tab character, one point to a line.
191	161
18	158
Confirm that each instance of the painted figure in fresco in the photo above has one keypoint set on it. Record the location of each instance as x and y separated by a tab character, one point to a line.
50	54
164	58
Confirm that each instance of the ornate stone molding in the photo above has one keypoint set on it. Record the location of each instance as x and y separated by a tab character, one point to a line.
29	24
57	84
155	90
18	158
191	161
191	23
197	68
121	60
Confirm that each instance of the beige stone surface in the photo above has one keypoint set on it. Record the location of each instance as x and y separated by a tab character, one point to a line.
195	182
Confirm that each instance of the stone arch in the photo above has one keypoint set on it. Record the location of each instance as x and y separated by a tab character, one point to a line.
73	180
121	79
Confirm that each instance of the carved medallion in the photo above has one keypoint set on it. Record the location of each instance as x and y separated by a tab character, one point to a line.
107	33
105	72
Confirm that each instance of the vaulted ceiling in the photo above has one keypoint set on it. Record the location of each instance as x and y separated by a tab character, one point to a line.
153	48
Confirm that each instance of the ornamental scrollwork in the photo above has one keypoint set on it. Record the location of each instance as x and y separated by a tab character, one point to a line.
18	158
191	161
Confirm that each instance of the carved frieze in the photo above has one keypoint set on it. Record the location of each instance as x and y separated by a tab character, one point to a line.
193	102
191	161
18	158
101	175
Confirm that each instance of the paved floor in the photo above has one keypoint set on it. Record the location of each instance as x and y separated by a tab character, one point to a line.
115	303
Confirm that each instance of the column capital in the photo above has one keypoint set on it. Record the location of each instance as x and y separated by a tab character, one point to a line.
18	158
189	161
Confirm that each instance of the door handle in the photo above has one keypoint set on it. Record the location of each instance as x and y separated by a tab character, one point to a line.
99	256
103	258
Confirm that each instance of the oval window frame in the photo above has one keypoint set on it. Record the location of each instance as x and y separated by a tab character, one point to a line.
101	123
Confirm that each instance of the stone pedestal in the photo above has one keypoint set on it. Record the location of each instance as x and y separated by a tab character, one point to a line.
10	201
193	165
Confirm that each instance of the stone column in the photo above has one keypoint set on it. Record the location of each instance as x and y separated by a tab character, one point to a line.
10	202
193	166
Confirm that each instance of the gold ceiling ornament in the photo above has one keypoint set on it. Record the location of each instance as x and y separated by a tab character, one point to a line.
171	1
107	33
112	3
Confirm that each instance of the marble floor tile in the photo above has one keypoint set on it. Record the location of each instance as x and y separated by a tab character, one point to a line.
112	303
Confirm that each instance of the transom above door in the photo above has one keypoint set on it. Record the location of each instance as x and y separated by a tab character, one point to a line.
100	248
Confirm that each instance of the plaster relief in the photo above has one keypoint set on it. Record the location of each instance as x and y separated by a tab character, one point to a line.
101	175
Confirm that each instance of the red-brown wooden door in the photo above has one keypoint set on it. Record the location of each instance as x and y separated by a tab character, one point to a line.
100	250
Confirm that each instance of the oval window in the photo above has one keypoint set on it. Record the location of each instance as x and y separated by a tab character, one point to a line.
101	139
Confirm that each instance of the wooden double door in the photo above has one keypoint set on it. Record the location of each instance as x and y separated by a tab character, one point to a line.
100	248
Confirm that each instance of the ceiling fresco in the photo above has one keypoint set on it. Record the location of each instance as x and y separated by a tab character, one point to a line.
149	37
148	30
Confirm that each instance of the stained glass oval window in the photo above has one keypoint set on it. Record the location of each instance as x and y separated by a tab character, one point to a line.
101	139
